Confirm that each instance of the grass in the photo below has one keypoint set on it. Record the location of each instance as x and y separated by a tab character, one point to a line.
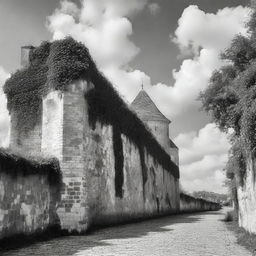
244	238
229	216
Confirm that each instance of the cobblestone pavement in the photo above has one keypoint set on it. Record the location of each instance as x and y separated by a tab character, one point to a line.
201	234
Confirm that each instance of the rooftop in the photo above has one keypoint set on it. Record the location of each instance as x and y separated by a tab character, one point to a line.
146	108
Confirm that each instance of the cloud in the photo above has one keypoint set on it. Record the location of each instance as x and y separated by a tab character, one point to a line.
154	8
204	36
105	28
208	141
197	29
4	115
203	156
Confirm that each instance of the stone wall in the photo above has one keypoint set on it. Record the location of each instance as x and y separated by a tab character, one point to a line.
27	201
30	140
64	115
98	190
156	194
88	164
191	204
246	194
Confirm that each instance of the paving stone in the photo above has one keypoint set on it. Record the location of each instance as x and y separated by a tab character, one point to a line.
201	234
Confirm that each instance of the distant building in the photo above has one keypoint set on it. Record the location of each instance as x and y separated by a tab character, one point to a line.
158	124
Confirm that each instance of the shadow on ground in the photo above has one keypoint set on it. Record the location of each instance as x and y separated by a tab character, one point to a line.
66	246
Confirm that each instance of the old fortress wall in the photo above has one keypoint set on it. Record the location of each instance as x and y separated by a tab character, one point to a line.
108	174
29	192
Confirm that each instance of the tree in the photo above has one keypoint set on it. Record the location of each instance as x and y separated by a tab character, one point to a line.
231	100
231	95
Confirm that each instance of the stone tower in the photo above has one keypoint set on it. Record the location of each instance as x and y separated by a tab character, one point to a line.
158	124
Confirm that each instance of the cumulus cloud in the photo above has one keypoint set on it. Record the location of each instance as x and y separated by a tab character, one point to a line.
197	29
203	156
105	27
4	115
154	8
205	36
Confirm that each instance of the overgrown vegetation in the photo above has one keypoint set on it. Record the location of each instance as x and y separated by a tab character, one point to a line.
56	65
52	66
244	238
16	164
24	89
231	99
229	216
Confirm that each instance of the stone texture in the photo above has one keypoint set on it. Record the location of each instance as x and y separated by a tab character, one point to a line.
25	140
159	195
160	130
201	234
88	165
191	204
87	161
27	203
52	125
247	198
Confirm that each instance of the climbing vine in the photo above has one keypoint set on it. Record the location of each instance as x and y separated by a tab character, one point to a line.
16	163
24	89
231	99
68	61
57	64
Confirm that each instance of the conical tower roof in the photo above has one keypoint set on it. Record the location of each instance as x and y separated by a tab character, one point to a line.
146	108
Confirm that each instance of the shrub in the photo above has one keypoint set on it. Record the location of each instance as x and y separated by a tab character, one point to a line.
229	216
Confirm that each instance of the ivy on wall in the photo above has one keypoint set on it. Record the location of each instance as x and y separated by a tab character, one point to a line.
24	89
56	65
14	164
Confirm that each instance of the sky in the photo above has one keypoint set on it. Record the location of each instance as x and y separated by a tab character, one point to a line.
172	47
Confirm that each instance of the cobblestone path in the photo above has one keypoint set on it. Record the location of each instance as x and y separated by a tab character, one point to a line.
201	234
